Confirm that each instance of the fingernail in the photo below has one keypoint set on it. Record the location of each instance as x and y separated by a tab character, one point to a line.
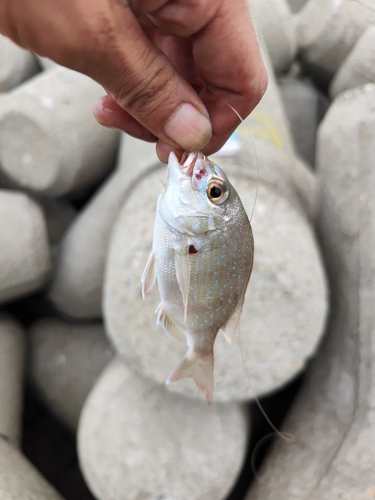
189	128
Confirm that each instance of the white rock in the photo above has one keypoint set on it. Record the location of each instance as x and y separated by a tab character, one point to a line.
359	66
16	64
136	441
305	107
12	357
333	419
25	260
50	142
76	289
64	363
19	479
59	214
275	22
296	5
327	31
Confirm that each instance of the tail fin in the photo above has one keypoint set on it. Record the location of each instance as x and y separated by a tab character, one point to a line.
199	368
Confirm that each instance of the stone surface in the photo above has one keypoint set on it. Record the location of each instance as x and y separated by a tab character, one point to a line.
19	480
285	305
333	419
274	21
137	441
305	180
296	5
305	107
359	66
59	214
16	64
12	356
50	142
64	363
327	31
76	289
24	251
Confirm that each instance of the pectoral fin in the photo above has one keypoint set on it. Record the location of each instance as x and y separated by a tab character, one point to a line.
182	264
172	329
149	275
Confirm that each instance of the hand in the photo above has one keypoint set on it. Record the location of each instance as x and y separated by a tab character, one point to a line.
168	66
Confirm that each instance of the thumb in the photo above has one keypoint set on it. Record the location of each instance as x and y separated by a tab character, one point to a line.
144	83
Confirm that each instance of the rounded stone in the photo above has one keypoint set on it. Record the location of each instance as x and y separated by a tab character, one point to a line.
136	441
359	66
12	359
20	480
284	310
275	21
64	363
50	142
327	30
76	288
16	64
25	260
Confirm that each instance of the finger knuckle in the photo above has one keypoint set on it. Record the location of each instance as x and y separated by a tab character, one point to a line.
147	90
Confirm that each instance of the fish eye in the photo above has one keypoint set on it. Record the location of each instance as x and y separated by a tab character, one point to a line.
217	191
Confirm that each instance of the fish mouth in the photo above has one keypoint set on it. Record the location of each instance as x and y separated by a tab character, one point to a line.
188	161
196	165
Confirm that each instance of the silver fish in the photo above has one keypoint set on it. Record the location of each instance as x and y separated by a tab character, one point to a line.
202	258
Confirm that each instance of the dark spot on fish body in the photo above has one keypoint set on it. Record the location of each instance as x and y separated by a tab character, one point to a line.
192	250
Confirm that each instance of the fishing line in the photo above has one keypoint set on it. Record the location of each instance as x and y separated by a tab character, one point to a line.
285	436
254	150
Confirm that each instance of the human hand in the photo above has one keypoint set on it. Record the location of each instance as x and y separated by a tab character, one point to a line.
169	66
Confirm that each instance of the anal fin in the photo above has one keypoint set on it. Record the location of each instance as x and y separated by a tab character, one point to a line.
200	368
172	329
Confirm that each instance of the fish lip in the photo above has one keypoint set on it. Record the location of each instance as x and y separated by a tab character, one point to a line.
188	162
196	165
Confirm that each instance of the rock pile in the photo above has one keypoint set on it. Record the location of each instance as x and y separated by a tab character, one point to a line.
77	205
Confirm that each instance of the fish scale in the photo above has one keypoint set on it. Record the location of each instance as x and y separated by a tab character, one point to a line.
201	259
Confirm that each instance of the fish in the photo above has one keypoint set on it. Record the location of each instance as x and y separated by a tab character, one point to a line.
201	259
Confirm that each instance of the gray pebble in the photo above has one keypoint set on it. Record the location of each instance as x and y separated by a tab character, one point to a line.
76	289
19	479
50	142
25	260
274	22
333	419
305	107
12	357
65	361
16	64
136	441
327	31
359	66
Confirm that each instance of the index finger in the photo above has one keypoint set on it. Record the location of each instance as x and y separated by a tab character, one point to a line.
228	60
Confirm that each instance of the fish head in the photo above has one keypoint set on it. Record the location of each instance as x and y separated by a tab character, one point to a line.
197	196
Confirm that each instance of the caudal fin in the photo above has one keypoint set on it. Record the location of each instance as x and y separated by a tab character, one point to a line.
200	369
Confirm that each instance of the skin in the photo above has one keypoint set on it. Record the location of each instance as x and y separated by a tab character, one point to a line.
168	66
